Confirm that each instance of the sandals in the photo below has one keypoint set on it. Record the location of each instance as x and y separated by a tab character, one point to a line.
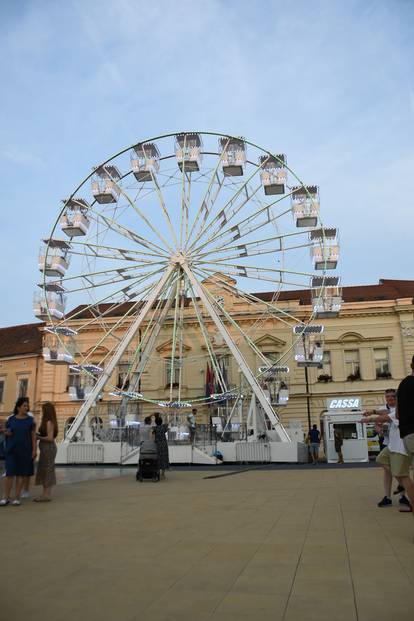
41	499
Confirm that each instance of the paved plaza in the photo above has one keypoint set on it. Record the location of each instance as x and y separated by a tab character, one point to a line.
268	545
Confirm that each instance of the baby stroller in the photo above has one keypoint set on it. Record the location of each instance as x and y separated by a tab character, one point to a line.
148	467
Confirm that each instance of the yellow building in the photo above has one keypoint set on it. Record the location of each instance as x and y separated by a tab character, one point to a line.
367	349
21	366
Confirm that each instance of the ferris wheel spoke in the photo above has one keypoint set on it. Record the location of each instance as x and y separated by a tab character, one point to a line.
174	338
213	359
223	210
181	335
124	319
229	318
141	214
147	344
236	273
236	231
253	271
128	233
276	312
110	281
164	208
207	202
244	247
113	252
127	338
185	193
121	271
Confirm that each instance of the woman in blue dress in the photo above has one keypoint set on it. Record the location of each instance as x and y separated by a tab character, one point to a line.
20	450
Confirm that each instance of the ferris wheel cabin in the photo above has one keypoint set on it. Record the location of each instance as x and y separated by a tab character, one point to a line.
105	187
308	349
326	296
75	222
324	248
273	174
188	151
145	161
233	156
59	345
305	205
275	380
53	257
55	302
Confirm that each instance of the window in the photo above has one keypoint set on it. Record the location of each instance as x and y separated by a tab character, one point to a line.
223	361
175	365
326	363
352	369
22	387
382	365
1	390
74	378
326	369
123	382
272	356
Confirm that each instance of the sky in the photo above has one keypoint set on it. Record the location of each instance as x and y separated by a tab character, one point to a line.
329	83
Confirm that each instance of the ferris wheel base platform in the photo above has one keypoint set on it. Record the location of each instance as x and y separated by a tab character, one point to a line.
229	452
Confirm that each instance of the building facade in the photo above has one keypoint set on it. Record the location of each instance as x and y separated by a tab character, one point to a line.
367	349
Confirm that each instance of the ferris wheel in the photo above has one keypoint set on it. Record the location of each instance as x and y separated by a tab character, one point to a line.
150	237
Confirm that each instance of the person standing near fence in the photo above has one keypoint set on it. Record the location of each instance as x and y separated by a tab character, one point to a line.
160	438
192	422
338	442
314	442
47	434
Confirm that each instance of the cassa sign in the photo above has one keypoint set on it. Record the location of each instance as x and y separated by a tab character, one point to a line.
348	403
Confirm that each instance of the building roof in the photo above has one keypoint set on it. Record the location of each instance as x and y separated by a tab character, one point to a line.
385	290
21	340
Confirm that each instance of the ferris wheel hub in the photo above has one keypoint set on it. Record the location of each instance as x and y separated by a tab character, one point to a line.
179	258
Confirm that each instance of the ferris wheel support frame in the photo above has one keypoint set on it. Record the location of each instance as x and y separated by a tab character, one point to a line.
84	409
255	386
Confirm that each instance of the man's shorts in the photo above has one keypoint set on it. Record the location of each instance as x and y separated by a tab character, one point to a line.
409	444
314	447
399	464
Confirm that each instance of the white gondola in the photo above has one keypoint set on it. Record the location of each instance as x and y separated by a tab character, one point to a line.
75	222
305	205
324	248
273	174
233	156
55	261
105	187
53	304
308	348
188	151
275	379
86	381
326	296
145	161
59	345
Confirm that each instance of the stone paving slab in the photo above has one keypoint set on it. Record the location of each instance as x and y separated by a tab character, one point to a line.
265	545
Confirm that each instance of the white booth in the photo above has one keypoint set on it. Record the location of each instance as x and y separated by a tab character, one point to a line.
344	413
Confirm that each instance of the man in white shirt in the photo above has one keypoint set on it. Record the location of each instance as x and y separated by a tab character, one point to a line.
393	458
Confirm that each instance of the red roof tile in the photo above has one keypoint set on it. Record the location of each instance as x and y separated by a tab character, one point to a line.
21	340
384	290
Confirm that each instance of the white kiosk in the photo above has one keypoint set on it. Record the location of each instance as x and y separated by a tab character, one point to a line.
344	413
